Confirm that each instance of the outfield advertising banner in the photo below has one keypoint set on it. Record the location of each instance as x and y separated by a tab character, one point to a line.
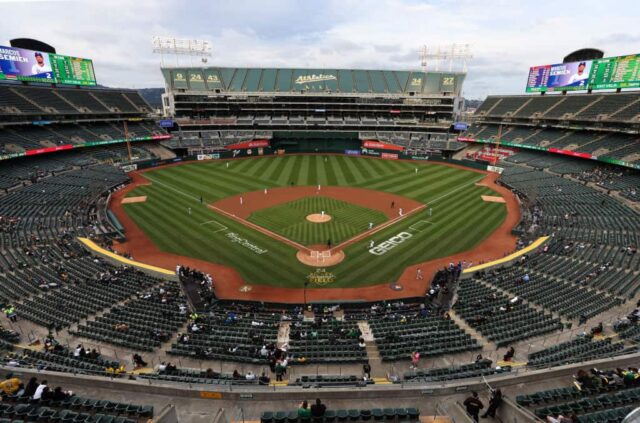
248	144
214	156
352	152
381	145
34	66
390	156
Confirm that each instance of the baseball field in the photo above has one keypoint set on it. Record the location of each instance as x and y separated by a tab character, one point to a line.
256	216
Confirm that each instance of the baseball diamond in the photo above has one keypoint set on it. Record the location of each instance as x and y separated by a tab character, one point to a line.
265	202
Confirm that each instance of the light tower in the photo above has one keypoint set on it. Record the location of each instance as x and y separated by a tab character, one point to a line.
181	47
452	54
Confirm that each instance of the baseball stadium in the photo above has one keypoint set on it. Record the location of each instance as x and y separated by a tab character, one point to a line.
318	244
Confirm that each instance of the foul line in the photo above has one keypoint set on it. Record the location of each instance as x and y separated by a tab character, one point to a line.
171	188
455	190
222	227
377	229
260	229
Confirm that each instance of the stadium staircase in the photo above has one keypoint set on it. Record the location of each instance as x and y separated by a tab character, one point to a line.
468	329
283	333
515	112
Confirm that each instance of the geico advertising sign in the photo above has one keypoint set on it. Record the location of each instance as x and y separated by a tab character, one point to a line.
390	244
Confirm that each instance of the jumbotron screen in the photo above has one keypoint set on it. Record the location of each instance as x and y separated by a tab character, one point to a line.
34	66
599	74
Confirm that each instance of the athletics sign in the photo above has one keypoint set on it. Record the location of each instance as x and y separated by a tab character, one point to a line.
390	244
321	277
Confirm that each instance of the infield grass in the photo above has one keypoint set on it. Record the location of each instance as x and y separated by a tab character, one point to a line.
289	220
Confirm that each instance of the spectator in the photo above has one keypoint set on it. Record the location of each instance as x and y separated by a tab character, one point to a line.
60	395
11	385
31	387
264	379
415	360
494	404
318	409
10	312
39	390
138	361
303	411
509	354
366	369
473	406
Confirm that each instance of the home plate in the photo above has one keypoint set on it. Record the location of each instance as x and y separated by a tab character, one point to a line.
492	199
128	200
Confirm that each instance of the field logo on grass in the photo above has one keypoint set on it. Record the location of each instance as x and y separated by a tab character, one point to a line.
321	277
236	239
390	244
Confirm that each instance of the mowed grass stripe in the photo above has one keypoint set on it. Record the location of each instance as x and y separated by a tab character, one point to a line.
260	168
321	170
389	181
284	178
350	163
303	177
364	170
351	170
296	170
273	170
337	172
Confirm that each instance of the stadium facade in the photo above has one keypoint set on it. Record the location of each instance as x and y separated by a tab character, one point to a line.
299	109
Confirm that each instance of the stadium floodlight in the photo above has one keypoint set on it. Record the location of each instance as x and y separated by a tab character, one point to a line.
452	53
181	47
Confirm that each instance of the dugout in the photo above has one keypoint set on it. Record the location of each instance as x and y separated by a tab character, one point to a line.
315	141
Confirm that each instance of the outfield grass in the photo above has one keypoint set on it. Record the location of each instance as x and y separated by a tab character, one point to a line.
289	220
460	219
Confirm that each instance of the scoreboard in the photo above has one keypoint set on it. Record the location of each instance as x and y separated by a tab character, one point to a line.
72	70
615	72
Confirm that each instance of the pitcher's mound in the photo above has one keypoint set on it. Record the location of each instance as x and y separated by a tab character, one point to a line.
320	258
318	218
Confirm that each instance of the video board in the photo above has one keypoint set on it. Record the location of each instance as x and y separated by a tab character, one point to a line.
599	74
35	66
571	76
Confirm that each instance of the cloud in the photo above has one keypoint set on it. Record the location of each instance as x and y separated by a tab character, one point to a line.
506	37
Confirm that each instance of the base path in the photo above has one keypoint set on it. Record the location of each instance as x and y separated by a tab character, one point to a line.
229	282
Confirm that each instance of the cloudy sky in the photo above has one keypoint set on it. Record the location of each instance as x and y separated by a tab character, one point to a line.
505	36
